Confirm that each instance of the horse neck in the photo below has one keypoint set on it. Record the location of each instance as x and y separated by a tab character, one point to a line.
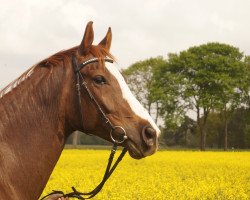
32	133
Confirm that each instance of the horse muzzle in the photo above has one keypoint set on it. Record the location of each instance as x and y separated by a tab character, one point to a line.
147	146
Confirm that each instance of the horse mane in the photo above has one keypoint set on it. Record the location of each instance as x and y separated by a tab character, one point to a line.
96	51
55	60
16	82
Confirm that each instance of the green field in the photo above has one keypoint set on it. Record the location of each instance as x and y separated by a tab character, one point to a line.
165	175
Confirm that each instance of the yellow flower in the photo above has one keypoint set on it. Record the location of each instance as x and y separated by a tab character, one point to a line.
180	175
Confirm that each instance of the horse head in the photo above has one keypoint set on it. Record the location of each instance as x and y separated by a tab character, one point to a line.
105	106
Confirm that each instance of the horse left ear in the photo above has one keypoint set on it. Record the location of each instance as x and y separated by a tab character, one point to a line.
106	42
87	40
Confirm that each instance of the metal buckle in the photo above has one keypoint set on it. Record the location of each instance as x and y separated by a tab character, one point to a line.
118	141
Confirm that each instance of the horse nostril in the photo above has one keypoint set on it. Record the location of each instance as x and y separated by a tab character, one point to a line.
149	132
149	135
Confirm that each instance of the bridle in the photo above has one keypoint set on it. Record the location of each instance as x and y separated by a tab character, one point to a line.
81	83
79	76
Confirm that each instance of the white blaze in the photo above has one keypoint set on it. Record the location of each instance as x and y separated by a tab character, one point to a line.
134	104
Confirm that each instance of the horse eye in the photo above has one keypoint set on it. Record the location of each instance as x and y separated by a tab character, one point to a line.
100	80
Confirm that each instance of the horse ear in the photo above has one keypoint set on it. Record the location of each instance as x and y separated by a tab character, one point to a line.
106	42
87	40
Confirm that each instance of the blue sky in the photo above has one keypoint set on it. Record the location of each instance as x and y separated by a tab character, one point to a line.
31	30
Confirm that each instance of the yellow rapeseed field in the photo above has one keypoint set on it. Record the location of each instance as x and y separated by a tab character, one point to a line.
165	175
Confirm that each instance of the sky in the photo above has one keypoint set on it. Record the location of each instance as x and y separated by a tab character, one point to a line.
31	30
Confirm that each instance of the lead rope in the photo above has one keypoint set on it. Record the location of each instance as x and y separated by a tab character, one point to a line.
107	174
109	170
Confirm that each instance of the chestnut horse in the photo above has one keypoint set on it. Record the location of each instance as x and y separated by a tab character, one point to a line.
42	108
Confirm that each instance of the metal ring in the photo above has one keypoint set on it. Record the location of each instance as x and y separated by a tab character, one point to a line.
117	141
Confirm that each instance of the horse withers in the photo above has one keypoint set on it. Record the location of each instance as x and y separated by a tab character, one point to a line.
41	108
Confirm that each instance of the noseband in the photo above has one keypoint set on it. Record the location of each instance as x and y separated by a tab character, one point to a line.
116	142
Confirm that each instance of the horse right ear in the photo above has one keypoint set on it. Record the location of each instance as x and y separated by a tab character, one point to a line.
106	42
87	40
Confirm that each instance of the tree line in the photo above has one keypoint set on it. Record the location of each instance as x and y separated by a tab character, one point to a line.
201	95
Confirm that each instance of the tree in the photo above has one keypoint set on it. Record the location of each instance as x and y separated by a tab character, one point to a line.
246	88
239	128
139	78
184	135
215	130
231	95
204	79
75	139
188	127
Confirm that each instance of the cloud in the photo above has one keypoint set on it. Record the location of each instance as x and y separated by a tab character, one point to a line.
31	30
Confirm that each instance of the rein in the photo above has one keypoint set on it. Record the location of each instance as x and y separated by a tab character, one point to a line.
109	170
